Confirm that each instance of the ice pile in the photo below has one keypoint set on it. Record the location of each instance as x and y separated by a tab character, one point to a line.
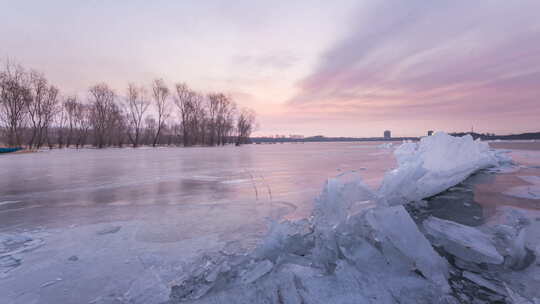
433	165
343	254
347	253
495	258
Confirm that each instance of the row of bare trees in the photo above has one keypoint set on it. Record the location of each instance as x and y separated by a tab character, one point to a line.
35	114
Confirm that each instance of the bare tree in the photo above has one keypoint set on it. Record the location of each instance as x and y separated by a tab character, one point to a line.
137	105
102	113
14	96
197	119
213	110
29	106
244	126
117	127
182	100
41	108
161	99
61	121
168	133
78	121
225	123
38	91
186	101
71	107
176	130
82	122
150	129
50	111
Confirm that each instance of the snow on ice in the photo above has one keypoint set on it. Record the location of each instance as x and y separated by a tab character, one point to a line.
12	249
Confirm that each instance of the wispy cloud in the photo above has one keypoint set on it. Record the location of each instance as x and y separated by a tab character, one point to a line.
424	58
277	61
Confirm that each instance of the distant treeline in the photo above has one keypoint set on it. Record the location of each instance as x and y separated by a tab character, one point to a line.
34	113
326	139
491	136
484	136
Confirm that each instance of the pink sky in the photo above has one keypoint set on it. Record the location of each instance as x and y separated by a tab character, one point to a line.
347	68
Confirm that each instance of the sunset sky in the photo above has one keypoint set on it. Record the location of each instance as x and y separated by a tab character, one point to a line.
336	68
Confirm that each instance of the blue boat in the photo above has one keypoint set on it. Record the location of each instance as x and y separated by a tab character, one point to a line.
9	150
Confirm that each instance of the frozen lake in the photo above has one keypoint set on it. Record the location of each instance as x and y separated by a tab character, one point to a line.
111	220
116	225
60	188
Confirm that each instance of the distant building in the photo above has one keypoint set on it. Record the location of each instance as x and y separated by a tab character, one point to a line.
429	133
387	134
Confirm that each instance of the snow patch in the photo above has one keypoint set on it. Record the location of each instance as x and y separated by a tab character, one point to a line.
13	248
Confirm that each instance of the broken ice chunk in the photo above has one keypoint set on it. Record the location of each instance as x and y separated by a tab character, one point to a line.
479	280
518	252
338	199
466	243
516	298
394	228
433	165
260	269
